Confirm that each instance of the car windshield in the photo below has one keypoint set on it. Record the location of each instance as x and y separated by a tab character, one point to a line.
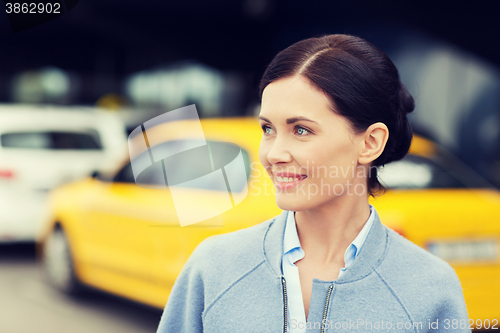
52	140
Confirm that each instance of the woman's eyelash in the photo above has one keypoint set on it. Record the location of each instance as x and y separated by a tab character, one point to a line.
296	128
264	127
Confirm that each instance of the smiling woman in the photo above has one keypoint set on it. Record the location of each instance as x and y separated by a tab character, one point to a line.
333	110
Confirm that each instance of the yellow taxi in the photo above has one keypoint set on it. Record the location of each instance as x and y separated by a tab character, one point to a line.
125	238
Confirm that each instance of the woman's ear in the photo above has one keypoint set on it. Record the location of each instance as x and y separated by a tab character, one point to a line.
374	139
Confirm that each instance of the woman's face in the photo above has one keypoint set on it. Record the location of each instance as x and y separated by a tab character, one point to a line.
313	147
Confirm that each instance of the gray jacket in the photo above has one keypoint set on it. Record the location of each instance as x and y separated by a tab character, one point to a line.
234	283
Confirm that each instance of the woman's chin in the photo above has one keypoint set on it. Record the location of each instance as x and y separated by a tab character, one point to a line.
294	202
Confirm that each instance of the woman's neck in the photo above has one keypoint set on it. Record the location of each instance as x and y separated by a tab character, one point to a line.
325	232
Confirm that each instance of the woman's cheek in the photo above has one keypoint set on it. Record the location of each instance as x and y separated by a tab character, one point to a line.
263	152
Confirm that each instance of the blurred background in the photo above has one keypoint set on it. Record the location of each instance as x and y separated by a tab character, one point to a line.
84	81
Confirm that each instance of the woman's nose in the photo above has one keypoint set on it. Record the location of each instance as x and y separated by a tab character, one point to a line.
279	152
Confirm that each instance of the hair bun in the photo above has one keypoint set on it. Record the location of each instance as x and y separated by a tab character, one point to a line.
406	101
400	142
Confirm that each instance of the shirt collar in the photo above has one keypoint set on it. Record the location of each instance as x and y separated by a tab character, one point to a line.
353	249
291	238
370	256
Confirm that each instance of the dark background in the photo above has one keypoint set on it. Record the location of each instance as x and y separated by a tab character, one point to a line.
110	39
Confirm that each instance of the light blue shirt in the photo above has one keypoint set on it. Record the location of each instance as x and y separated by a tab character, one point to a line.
292	252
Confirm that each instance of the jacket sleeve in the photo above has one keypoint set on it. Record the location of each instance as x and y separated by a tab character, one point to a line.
453	315
186	303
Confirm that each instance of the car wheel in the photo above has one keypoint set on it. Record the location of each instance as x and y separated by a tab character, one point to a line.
58	265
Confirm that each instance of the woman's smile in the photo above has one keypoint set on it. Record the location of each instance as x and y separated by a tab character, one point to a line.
285	180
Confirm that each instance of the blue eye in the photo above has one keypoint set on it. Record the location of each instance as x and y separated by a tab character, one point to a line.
302	130
267	130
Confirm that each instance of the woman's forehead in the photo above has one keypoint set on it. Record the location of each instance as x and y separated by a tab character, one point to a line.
294	97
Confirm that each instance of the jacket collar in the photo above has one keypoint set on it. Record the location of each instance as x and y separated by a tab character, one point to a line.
370	256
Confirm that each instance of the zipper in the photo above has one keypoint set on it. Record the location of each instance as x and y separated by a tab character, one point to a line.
285	304
325	311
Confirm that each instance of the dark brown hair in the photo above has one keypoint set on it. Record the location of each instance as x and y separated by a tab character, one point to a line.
361	82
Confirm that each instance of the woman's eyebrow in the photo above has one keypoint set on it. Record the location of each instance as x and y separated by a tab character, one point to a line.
290	120
295	119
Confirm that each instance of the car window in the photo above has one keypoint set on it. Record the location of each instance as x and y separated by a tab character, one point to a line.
185	170
125	175
417	172
52	140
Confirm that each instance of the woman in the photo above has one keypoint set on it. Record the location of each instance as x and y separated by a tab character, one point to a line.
333	110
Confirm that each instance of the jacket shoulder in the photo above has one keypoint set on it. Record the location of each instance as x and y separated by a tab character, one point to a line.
417	277
403	249
213	267
232	253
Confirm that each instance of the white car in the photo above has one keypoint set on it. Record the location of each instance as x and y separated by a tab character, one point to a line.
42	147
